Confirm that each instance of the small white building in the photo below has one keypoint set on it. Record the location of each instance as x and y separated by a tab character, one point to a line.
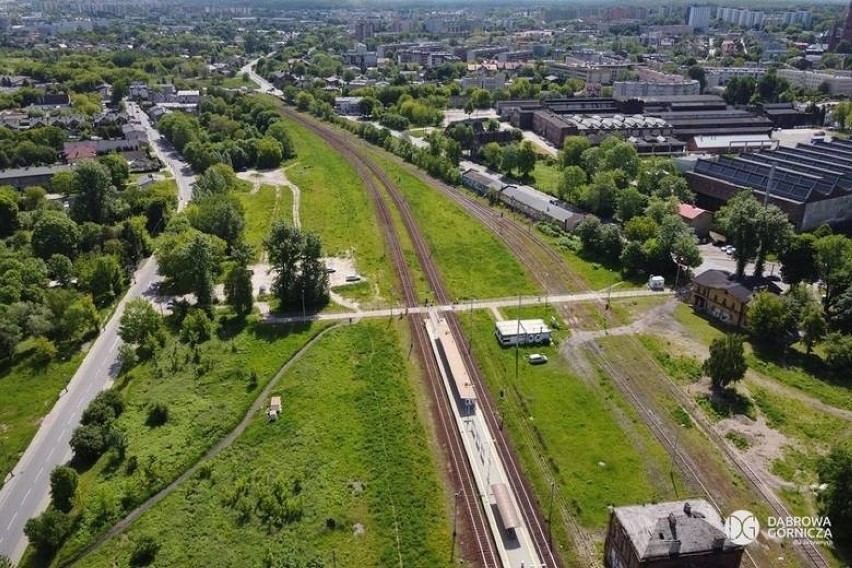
522	332
274	408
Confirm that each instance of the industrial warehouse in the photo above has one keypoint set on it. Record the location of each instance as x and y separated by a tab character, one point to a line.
811	183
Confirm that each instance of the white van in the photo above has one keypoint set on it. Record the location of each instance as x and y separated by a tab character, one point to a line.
656	283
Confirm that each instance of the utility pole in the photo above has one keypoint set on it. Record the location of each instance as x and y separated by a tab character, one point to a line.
518	342
550	516
455	525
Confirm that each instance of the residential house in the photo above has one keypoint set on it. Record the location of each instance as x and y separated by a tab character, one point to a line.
720	295
79	151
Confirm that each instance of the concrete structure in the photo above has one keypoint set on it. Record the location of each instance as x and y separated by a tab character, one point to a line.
698	17
838	83
483	81
719	76
634	89
603	73
699	219
677	534
718	294
347	106
522	332
740	17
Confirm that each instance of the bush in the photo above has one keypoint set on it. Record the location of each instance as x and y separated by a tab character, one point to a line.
44	351
196	327
158	414
63	487
144	552
88	442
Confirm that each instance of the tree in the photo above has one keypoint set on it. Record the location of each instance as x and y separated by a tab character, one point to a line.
103	277
60	268
47	531
774	232
630	203
139	322
119	169
589	232
510	158
63	487
616	154
304	101
43	351
771	318
278	131
219	215
55	233
640	229
10	335
838	352
525	161
599	196
698	73
572	150
238	290
834	267
8	215
813	326
80	318
835	471
492	153
798	261
571	183
203	256
95	193
726	363
739	220
269	153
196	327
295	260
88	442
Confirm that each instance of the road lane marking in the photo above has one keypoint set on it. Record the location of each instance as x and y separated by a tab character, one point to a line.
27	494
38	474
9	526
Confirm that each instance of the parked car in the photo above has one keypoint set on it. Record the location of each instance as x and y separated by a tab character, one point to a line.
353	278
537	359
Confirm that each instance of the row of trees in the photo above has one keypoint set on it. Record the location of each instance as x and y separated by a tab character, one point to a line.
32	147
236	130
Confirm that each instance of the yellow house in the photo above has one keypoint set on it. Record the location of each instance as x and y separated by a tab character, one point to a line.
718	294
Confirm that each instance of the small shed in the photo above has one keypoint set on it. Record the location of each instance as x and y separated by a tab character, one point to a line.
522	332
699	219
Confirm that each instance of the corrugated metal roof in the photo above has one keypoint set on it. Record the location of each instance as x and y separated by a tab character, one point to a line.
529	326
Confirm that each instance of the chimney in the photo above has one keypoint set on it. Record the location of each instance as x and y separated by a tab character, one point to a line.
673	525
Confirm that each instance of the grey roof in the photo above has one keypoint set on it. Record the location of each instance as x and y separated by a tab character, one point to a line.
742	290
539	201
33	171
673	528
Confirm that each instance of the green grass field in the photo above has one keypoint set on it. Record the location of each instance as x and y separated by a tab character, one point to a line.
27	392
472	261
262	208
595	444
334	203
348	449
546	177
206	400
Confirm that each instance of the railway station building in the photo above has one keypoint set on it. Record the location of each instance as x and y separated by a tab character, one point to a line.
522	332
677	534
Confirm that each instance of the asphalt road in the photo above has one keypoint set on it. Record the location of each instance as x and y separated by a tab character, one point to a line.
27	490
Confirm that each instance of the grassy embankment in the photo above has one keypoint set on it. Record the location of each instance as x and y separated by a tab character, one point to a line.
348	449
471	260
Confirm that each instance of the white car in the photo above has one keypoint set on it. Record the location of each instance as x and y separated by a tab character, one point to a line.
537	359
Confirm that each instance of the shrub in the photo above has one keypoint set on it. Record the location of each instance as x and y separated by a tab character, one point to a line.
158	414
63	487
88	442
144	552
44	351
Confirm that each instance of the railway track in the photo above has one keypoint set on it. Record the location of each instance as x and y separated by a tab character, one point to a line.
806	549
467	496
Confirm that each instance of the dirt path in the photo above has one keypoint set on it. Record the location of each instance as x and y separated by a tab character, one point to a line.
276	178
224	443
